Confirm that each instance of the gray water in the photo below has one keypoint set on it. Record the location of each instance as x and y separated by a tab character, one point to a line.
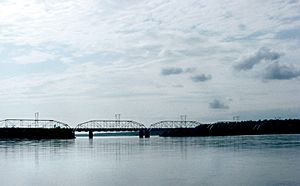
235	160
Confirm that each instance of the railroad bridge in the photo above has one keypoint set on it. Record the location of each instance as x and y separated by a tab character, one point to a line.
129	125
110	125
50	129
32	123
35	129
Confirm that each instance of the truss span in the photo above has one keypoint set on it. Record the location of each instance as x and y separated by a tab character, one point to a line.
174	124
31	123
109	125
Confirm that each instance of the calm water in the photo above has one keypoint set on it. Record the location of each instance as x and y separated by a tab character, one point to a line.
239	160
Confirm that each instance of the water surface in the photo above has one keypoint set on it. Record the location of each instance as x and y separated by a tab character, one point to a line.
233	160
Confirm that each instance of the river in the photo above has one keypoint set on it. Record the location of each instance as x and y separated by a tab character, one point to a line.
231	160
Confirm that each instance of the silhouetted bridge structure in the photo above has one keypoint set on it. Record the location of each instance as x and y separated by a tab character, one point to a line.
128	125
110	125
52	129
35	129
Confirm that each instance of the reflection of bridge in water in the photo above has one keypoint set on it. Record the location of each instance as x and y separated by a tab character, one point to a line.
128	125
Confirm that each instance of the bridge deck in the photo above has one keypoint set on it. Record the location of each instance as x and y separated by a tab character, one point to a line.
107	129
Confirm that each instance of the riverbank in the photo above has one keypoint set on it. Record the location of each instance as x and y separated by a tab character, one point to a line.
290	126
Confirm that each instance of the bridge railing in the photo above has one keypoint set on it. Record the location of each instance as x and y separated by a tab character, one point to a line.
32	123
109	124
174	124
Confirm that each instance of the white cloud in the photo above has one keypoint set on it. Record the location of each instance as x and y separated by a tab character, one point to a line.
33	57
110	54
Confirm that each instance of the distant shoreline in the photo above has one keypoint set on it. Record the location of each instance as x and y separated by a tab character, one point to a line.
260	127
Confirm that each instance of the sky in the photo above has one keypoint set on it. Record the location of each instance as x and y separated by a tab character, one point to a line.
149	60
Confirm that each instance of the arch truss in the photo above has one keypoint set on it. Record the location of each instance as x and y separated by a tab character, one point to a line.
174	124
109	124
32	123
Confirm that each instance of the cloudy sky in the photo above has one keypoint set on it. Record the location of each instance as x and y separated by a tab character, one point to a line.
149	60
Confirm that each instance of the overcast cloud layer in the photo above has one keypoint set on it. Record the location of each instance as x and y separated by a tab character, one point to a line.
149	60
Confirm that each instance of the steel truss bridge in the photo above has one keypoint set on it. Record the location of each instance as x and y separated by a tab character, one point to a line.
110	125
32	123
174	125
100	125
128	125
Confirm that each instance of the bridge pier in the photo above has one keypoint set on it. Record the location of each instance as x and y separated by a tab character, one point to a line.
141	133
144	133
91	134
147	133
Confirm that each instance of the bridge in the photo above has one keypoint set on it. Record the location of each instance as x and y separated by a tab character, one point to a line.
174	125
110	125
35	129
32	123
161	127
128	125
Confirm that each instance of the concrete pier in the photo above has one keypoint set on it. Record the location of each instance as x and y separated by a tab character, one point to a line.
91	134
147	133
141	133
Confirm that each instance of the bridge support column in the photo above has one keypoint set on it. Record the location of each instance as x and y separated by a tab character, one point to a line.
141	133
91	134
147	133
